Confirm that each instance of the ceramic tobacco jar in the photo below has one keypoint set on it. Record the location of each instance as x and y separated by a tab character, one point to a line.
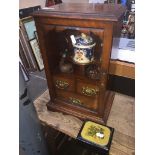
83	48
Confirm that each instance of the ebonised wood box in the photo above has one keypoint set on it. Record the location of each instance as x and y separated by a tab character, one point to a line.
76	93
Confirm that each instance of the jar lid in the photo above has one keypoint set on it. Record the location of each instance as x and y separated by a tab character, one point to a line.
84	39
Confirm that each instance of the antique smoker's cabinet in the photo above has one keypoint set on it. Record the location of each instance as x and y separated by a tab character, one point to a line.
81	92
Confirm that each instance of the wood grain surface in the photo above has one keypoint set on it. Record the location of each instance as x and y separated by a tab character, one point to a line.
123	69
121	118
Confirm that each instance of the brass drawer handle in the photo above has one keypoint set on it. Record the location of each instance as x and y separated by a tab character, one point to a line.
61	84
89	91
75	101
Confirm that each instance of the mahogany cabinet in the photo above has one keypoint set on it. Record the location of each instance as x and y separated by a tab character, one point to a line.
76	93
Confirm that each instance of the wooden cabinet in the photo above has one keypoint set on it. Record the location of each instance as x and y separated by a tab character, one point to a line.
77	93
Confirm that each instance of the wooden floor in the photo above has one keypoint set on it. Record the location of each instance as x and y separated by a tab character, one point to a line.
121	118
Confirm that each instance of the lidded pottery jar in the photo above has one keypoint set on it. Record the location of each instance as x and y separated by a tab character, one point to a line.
83	48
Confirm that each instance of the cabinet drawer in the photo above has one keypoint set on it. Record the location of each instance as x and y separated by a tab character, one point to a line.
77	100
87	89
62	83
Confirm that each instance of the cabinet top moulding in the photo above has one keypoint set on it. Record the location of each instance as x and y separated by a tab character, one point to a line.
106	12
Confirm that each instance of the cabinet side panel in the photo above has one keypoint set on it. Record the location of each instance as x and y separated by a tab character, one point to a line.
42	45
105	59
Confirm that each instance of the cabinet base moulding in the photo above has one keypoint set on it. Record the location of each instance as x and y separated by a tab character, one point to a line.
86	115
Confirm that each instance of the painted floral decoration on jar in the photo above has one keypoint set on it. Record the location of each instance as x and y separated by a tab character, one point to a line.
83	48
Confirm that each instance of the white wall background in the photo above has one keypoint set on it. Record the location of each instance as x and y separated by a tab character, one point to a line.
83	1
75	1
30	3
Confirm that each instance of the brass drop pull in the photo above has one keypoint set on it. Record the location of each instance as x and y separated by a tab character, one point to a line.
61	84
75	101
89	91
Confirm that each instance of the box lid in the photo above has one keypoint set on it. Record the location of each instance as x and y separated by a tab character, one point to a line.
96	135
